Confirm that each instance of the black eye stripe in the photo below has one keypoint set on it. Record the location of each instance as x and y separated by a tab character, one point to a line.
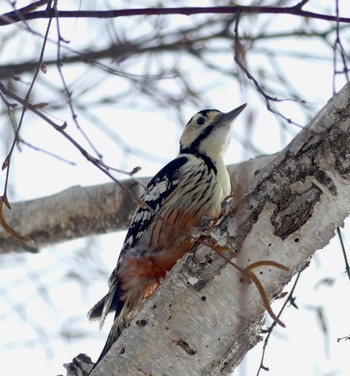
193	148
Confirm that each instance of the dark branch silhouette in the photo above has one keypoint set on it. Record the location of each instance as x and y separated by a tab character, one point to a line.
18	16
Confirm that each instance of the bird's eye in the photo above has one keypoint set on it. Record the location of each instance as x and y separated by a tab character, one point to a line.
200	121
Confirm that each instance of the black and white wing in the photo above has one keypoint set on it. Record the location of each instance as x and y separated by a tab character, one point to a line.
158	189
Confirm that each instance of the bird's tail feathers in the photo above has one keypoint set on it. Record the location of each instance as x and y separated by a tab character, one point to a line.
96	311
107	305
101	309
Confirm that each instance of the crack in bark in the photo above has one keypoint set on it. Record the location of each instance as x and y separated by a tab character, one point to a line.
288	220
338	144
323	178
186	347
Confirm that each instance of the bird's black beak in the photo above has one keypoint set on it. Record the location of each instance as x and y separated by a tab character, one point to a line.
229	116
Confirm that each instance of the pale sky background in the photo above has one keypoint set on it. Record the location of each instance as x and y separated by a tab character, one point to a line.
40	296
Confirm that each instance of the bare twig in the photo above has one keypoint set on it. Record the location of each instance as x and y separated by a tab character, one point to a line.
13	17
65	86
338	43
290	299
238	53
6	163
347	266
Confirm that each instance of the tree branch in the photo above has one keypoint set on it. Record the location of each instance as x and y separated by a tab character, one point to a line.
85	211
204	317
121	50
73	213
18	16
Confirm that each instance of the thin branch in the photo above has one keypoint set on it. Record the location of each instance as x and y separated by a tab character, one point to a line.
301	4
7	162
290	299
346	338
347	267
13	17
120	50
47	152
61	129
238	57
65	85
338	43
30	7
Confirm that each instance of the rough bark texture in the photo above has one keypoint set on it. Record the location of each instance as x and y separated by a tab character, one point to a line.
204	317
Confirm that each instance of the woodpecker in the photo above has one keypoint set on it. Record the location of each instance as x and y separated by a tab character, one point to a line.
189	188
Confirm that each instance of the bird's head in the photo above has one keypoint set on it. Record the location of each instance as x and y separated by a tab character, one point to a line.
208	132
